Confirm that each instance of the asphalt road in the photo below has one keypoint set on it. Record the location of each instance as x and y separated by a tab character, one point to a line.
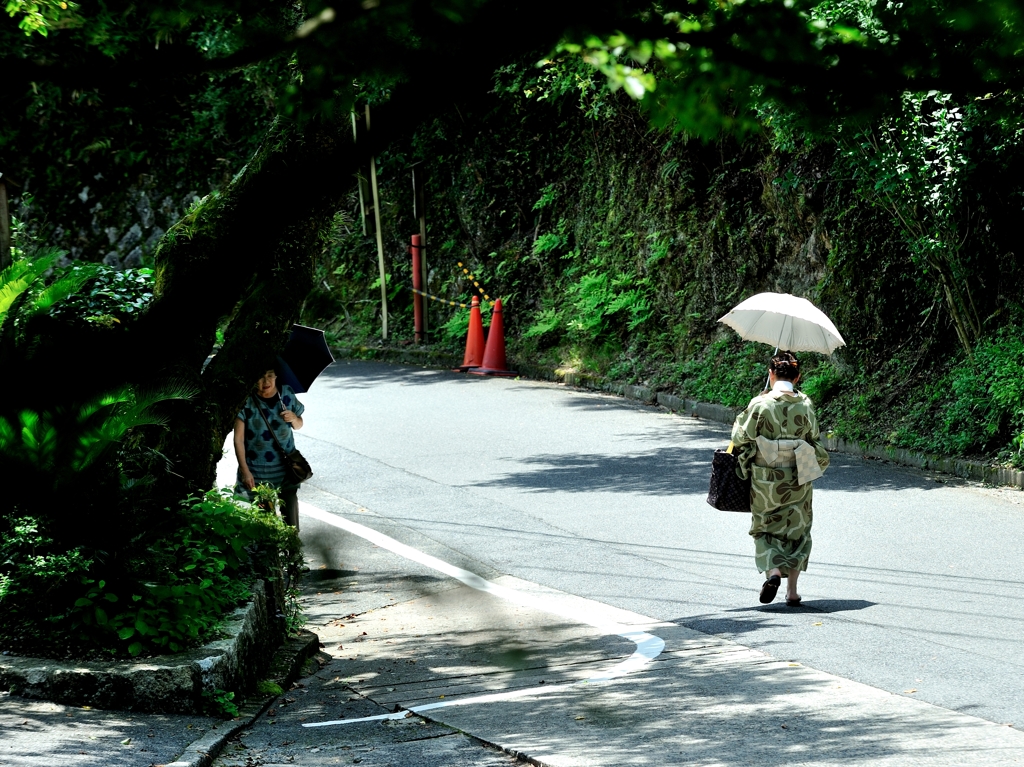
914	584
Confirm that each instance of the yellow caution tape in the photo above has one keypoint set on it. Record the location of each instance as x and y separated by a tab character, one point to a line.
445	300
473	279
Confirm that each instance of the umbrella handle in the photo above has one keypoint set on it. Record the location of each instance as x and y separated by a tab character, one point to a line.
768	380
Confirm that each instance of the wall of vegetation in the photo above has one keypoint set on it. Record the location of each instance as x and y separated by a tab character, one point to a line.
616	247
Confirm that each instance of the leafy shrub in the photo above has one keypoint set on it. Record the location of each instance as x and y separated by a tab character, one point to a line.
167	595
597	308
822	385
29	567
220	703
111	295
977	406
24	289
84	467
730	372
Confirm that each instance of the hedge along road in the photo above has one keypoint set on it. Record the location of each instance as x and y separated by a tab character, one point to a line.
914	583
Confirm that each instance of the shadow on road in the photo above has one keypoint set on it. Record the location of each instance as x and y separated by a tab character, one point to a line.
357	374
725	706
674	470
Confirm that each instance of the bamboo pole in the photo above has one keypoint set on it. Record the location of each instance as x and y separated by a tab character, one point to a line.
380	239
360	181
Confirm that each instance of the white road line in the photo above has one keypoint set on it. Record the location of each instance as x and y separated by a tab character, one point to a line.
648	646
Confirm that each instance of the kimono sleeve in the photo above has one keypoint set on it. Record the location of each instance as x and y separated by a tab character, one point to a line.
744	439
814	438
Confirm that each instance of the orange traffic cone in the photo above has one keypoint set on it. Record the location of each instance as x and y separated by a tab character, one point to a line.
474	339
494	363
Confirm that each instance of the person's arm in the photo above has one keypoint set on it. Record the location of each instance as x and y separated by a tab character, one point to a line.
290	417
243	467
293	415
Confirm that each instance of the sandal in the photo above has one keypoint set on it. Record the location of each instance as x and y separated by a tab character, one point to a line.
794	602
770	589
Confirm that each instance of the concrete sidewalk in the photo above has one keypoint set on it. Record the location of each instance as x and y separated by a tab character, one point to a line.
398	634
36	733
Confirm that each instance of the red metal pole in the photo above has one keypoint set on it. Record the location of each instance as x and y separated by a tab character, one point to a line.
417	283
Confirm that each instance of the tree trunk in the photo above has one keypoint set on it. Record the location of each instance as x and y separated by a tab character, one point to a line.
247	253
5	227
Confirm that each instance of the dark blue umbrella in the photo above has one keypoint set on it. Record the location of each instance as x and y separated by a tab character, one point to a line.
304	357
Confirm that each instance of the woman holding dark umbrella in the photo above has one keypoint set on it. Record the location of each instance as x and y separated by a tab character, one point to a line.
268	412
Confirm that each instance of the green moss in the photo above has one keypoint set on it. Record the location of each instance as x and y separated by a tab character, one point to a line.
267	687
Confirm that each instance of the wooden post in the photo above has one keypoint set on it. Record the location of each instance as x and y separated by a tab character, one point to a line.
380	239
420	211
360	180
5	226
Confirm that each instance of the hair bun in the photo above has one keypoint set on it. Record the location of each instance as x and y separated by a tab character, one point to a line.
785	366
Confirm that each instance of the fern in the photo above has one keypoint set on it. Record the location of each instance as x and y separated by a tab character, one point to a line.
20	276
547	321
19	279
65	286
61	442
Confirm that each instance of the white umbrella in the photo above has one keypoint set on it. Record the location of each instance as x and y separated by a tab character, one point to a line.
787	322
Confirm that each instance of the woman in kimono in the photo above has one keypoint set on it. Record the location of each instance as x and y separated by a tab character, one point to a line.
776	443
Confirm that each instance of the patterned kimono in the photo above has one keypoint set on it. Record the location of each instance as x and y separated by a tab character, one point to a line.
780	506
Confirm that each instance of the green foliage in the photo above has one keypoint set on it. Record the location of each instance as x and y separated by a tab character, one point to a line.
24	289
220	703
170	593
40	16
977	406
100	164
916	165
265	497
111	294
548	242
55	447
728	371
822	384
29	566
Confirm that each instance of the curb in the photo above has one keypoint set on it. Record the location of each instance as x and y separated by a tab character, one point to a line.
958	467
284	669
163	684
411	356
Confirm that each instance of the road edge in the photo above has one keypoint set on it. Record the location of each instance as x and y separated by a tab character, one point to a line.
285	668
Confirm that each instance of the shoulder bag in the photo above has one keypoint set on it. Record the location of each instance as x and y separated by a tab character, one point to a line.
727	491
